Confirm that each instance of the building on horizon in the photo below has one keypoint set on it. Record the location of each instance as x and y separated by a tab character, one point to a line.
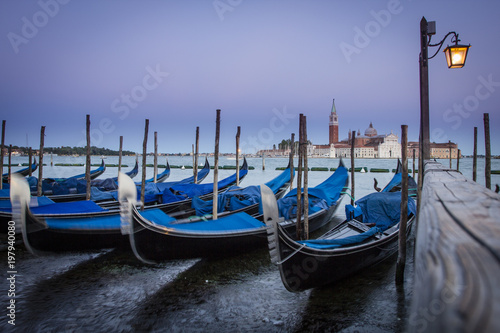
438	150
369	145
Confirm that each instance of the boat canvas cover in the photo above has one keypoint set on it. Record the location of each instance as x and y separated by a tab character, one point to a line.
384	208
236	197
185	191
381	208
71	207
232	199
336	243
233	222
320	197
5	205
5	193
108	222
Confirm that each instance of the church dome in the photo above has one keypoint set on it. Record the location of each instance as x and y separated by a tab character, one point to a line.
370	131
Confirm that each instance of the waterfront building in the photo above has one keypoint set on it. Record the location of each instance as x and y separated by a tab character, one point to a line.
438	150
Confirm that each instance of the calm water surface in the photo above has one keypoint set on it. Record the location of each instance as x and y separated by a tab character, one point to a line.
111	291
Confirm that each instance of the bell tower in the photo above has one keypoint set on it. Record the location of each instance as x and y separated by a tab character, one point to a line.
334	125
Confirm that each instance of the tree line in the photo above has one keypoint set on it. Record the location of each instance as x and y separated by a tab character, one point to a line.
285	144
67	151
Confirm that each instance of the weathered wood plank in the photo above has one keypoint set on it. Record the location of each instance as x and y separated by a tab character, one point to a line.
457	255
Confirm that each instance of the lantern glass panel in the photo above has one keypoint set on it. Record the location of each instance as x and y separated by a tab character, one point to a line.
456	55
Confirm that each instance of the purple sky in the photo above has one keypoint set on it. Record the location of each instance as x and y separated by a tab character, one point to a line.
260	62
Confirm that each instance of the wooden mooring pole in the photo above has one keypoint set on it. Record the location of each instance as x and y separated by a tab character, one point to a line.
292	152
10	164
120	152
40	161
420	174
400	266
216	165
450	149
196	152
87	160
238	132
144	153
155	159
299	180
458	159
487	150
306	179
1	152
474	158
353	142
413	166
30	162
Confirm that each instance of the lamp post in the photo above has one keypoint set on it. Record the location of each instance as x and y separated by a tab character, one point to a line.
455	57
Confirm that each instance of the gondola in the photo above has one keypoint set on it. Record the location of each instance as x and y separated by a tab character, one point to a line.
155	236
159	178
79	225
22	172
47	183
93	174
368	235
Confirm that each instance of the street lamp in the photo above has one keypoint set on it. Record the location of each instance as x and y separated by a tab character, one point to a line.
455	57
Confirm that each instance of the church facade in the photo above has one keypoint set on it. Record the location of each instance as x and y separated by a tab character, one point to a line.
369	145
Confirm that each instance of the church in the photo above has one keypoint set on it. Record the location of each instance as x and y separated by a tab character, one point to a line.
369	145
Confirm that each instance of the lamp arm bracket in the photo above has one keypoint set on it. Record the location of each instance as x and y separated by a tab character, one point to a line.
454	39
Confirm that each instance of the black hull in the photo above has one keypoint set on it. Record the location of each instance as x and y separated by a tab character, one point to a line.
153	244
40	238
302	268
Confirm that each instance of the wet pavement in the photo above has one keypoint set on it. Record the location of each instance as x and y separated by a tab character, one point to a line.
111	291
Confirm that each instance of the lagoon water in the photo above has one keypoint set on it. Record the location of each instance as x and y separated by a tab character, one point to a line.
111	291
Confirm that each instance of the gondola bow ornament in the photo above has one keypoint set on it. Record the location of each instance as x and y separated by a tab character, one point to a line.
271	218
